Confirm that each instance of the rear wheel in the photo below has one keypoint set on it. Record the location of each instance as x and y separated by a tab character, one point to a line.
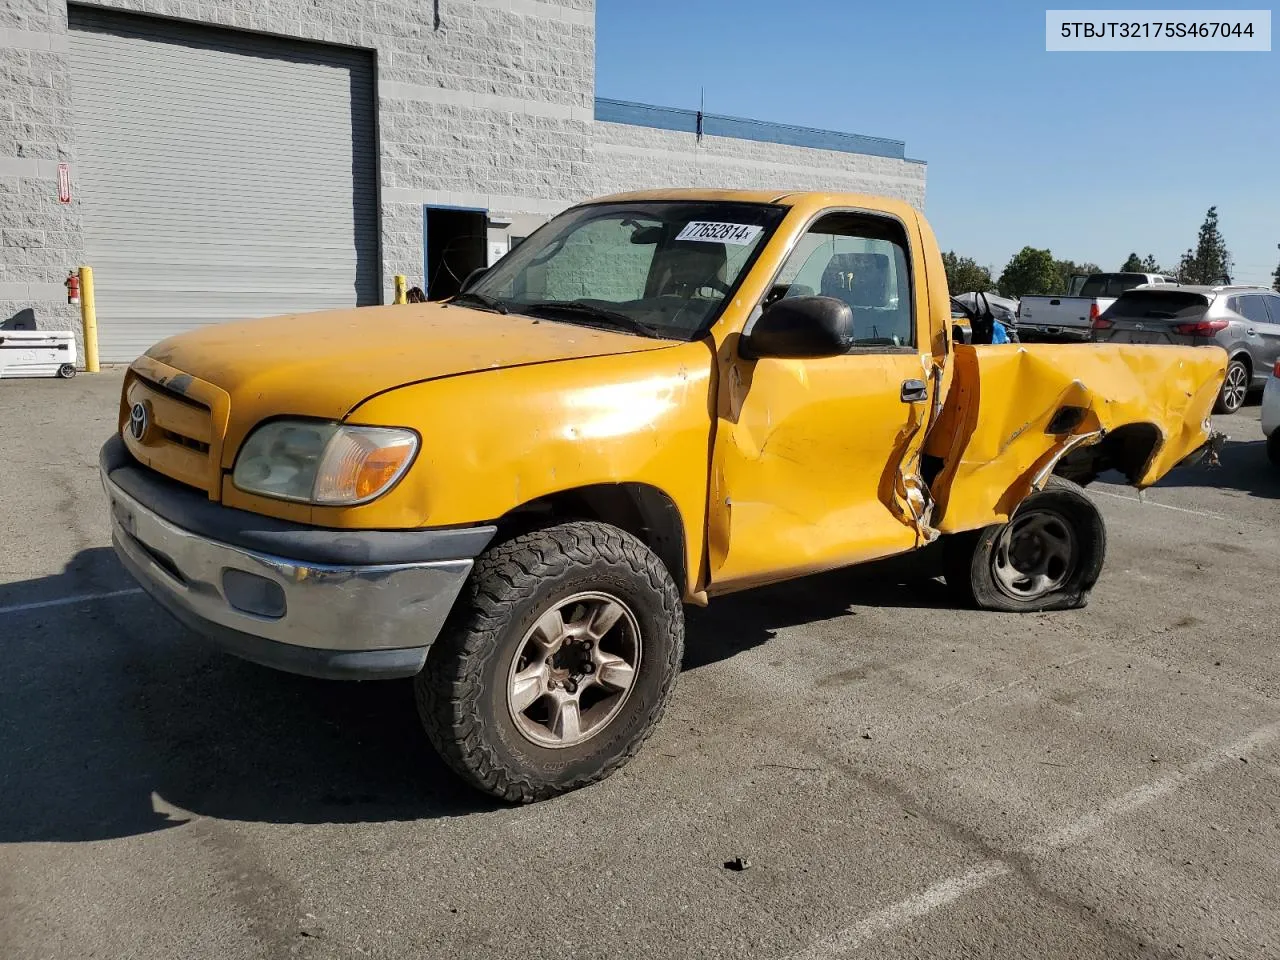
557	663
1047	557
67	371
1234	388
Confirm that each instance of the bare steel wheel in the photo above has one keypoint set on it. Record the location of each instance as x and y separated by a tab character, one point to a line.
1034	555
1235	387
1047	557
574	670
556	663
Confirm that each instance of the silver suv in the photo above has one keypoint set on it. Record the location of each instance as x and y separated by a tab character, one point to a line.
1245	321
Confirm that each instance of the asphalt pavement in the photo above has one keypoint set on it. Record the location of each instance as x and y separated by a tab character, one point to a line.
902	779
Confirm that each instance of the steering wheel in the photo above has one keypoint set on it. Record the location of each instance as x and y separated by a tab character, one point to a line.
688	288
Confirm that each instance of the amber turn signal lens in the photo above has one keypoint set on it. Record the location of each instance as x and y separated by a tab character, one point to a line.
362	463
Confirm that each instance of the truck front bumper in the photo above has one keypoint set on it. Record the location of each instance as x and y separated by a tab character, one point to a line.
334	617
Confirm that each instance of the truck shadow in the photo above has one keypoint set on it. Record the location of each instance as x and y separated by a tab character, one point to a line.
1245	467
116	722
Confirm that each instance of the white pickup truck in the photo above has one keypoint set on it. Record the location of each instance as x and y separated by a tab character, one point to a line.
1071	316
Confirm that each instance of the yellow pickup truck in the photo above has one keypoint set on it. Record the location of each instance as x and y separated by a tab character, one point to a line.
656	399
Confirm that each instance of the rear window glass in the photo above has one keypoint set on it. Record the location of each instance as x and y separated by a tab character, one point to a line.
1158	305
1111	284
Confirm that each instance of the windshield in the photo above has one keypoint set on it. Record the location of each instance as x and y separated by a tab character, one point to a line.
655	268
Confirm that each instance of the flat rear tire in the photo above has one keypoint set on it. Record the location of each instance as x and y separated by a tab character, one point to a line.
1047	557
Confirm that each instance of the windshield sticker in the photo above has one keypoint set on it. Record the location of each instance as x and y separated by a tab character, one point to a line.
739	234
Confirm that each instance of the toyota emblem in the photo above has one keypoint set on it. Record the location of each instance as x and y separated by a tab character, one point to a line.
139	421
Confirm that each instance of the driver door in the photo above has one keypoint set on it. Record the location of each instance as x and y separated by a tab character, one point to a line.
808	452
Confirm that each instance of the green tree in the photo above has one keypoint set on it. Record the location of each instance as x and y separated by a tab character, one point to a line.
1210	261
1149	265
1134	265
1030	272
964	275
1067	268
1275	277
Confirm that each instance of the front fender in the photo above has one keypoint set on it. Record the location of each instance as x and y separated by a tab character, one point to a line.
496	440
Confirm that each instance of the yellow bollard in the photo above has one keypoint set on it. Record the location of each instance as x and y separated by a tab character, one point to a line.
89	319
401	283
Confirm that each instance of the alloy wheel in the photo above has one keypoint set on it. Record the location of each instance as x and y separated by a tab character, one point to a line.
574	670
1235	387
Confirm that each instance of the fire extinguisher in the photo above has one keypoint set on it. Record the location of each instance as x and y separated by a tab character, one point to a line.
73	288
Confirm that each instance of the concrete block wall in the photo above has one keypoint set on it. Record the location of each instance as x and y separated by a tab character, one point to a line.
492	106
635	158
39	237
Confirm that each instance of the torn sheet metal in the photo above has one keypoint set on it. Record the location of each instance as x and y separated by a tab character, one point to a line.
999	439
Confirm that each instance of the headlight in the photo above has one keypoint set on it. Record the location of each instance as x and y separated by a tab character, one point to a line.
323	463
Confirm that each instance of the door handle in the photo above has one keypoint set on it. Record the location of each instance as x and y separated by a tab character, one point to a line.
1251	331
914	391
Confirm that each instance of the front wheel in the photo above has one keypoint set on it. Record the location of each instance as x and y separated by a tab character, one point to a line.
557	663
67	371
1047	557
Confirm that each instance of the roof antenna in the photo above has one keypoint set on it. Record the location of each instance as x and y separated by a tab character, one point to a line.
702	103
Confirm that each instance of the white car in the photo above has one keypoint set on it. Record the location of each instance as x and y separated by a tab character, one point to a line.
1271	414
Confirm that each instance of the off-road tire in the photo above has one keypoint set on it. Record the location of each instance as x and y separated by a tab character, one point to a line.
968	557
462	690
1225	403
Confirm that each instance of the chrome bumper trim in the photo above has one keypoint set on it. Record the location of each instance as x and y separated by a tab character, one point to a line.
331	608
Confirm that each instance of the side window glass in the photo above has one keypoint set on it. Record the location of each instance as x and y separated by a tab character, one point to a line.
1273	307
861	260
1253	309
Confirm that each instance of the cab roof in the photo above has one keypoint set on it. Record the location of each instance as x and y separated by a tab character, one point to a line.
810	199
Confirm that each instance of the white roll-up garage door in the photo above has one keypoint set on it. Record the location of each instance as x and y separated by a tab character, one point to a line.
221	175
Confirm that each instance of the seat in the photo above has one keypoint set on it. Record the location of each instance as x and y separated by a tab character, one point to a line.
687	266
862	281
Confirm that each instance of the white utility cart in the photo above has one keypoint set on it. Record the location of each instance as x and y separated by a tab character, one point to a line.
37	353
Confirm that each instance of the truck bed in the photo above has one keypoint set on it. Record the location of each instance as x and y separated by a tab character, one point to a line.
1143	409
1059	316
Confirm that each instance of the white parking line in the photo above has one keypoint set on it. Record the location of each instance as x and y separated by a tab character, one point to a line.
1162	506
950	889
64	601
904	911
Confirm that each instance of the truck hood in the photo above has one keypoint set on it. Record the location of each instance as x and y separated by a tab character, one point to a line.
325	364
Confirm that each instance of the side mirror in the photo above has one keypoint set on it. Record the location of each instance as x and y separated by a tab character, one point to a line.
800	327
472	277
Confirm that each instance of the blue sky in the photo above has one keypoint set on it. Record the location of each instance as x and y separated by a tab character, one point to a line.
1089	154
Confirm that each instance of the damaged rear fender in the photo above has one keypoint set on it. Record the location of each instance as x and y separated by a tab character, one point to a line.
1016	417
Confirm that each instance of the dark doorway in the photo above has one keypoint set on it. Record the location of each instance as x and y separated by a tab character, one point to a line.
456	243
